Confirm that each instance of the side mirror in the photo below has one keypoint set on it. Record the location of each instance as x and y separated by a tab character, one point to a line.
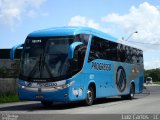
12	51
72	48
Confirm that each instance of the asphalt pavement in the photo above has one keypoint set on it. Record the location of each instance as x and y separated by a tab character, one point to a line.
147	102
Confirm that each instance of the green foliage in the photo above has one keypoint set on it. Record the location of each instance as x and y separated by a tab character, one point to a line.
154	73
9	98
157	82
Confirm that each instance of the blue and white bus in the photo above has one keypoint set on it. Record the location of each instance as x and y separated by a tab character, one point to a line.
67	64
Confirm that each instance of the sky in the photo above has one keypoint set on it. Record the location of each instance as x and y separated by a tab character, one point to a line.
120	18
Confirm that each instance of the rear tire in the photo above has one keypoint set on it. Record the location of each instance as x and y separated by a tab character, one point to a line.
131	93
90	96
47	103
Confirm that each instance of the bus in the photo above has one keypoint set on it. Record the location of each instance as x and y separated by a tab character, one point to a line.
65	64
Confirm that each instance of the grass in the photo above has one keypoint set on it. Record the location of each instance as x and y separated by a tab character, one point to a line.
8	98
157	83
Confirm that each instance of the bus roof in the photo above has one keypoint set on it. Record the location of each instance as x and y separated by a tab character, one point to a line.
66	31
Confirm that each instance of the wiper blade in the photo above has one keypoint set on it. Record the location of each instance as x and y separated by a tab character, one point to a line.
38	62
49	71
44	64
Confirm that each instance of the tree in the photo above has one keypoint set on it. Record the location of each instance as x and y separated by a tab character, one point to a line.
154	73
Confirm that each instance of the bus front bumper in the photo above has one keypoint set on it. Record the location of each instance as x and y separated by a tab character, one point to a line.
59	93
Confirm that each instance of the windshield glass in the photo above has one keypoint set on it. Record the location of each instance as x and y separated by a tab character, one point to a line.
46	59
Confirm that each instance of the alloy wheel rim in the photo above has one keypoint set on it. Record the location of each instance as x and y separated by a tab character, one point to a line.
89	96
132	92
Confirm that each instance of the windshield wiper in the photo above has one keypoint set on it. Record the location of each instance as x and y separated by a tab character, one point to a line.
49	71
44	64
38	62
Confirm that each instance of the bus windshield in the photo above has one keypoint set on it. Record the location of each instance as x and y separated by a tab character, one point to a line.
46	59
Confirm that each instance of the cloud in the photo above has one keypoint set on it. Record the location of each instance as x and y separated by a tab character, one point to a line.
152	64
11	11
144	18
83	21
77	21
32	13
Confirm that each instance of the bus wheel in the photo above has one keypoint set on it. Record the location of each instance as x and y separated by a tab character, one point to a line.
131	93
90	96
47	103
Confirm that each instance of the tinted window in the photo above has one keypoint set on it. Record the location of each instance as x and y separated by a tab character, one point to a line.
108	50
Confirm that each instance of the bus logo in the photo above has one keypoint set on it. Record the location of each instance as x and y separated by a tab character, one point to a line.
121	79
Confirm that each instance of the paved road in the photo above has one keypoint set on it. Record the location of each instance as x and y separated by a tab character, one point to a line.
147	102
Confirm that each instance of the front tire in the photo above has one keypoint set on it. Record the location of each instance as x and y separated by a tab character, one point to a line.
89	97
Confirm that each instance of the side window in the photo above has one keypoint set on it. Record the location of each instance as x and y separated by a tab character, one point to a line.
131	55
141	56
127	54
102	49
113	51
95	49
108	50
85	38
81	38
78	59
